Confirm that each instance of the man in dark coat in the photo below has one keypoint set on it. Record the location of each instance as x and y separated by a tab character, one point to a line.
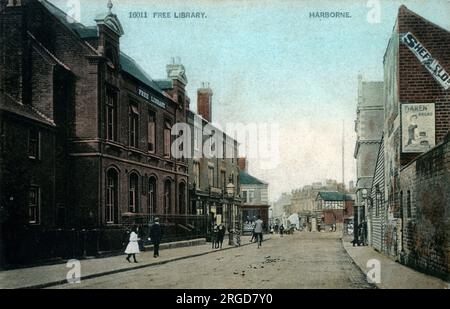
156	235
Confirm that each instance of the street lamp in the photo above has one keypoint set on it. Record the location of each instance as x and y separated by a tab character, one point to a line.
356	218
367	202
230	193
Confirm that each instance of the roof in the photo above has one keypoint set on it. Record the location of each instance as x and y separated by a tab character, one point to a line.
334	196
131	67
84	32
8	104
247	179
164	83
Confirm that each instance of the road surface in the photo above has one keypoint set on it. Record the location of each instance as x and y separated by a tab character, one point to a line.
302	260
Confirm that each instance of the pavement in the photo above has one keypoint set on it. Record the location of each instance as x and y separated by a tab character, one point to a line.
56	274
393	275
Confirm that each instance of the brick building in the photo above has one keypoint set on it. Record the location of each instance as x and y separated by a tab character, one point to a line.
408	199
86	133
213	177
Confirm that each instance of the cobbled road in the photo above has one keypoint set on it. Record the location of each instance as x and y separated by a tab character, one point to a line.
302	260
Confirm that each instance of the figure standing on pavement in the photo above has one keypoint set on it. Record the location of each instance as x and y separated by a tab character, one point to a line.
215	236
281	230
133	245
220	235
237	235
259	230
156	235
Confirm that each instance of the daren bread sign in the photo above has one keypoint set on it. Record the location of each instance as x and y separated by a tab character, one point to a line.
424	56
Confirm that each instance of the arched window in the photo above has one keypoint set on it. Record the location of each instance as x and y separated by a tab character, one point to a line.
133	193
151	195
111	211
167	196
182	198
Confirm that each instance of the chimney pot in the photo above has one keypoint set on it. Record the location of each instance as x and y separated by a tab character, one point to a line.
204	102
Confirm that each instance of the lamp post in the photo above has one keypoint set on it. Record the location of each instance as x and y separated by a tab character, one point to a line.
367	203
356	220
230	193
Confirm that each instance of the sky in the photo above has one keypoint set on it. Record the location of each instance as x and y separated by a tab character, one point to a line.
269	62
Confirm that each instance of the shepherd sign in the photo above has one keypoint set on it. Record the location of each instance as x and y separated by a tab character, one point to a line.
424	56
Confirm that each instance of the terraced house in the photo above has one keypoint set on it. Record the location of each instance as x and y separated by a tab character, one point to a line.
86	134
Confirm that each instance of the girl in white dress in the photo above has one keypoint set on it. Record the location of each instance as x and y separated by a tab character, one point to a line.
133	246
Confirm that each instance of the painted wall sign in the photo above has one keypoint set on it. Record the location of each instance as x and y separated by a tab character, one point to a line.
424	56
418	127
151	98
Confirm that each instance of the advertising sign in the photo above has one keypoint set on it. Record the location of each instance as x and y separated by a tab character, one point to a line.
424	56
418	127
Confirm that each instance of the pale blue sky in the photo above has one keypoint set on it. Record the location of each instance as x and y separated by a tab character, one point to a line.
268	61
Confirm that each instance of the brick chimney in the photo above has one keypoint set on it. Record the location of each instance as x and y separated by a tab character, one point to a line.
242	163
204	102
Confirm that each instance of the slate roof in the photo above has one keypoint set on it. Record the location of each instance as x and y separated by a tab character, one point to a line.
334	196
7	104
131	67
247	179
84	32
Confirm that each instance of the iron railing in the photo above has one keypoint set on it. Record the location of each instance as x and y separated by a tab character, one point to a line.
174	227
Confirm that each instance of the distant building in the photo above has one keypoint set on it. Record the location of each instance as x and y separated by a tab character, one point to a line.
303	200
333	209
255	199
369	128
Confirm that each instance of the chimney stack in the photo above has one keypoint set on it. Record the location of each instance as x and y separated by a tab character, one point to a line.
242	163
204	101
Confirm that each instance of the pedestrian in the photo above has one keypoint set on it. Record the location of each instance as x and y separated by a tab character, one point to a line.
156	235
281	230
215	236
259	230
253	232
237	233
220	235
133	245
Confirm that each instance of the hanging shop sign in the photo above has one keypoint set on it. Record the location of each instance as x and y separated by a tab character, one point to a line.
424	56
